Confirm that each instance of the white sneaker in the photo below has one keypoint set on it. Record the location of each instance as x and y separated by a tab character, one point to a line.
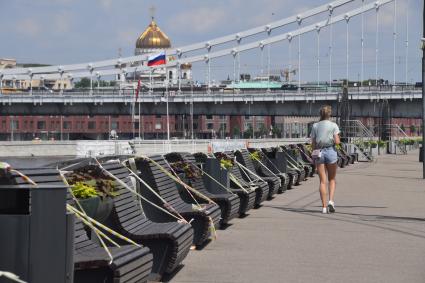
325	210
331	206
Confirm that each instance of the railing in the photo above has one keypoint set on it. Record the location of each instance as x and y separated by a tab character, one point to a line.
214	91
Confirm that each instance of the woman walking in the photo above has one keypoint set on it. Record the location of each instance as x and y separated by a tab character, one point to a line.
324	136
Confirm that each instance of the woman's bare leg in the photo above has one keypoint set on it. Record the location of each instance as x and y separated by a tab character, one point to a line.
331	168
322	175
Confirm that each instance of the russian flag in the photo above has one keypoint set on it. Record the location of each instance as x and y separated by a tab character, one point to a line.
157	59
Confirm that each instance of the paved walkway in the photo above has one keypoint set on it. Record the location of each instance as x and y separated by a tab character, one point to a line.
377	234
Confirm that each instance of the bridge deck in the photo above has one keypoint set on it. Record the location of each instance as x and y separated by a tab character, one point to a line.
377	234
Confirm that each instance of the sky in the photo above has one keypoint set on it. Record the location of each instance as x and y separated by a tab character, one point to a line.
76	31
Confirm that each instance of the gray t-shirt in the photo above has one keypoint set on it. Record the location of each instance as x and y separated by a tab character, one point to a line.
323	133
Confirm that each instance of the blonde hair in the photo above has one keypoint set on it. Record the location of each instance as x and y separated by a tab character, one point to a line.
325	112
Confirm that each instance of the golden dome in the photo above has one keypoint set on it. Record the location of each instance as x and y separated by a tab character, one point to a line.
153	38
186	66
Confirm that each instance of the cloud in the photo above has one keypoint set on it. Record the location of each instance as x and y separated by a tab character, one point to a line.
62	22
128	37
199	20
29	27
106	4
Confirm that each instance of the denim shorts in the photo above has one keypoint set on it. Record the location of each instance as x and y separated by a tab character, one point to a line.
329	156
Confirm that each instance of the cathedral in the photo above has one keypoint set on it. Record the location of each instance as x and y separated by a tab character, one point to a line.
153	41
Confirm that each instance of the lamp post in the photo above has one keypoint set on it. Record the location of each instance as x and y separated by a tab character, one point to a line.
30	74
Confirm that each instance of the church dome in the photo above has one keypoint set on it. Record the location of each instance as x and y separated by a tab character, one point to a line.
153	38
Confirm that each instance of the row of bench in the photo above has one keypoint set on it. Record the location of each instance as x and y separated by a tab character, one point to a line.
154	191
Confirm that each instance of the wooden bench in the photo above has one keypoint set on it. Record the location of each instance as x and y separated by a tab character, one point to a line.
274	182
306	157
229	202
261	188
295	169
168	240
246	196
168	190
268	160
91	262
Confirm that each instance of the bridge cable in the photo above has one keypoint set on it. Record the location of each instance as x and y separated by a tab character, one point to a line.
347	19
318	56
330	48
362	49
394	42
268	61
377	47
299	59
407	44
239	62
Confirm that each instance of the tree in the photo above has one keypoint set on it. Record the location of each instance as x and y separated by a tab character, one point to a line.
248	132
262	131
83	83
236	132
277	133
412	129
402	127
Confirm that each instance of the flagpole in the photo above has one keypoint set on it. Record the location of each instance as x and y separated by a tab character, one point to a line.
167	96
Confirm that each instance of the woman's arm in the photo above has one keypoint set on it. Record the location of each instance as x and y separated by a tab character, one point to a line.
337	139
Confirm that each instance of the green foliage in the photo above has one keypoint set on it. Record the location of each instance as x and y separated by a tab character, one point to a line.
248	132
276	132
412	129
190	171
236	132
82	190
309	148
373	144
226	163
403	127
92	176
381	144
255	155
83	83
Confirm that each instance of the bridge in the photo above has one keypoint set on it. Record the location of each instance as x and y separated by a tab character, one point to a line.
403	103
364	101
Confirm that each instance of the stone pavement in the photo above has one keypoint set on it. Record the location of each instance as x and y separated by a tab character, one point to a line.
376	235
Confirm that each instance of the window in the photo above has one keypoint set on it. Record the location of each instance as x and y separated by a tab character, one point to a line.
67	125
41	125
210	126
247	117
195	126
209	117
115	125
15	125
158	126
158	116
92	125
31	124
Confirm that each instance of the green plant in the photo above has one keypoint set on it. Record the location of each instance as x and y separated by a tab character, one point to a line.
93	176
188	169
373	144
83	191
381	144
226	163
255	155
